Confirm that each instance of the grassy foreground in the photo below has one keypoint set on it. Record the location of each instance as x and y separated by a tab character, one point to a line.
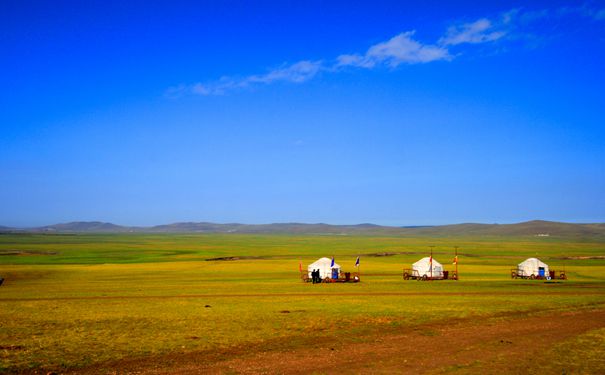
76	300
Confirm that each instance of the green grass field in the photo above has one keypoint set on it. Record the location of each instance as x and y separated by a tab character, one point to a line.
75	300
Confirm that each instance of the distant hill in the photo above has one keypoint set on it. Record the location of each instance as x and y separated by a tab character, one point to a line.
301	228
82	227
194	227
537	228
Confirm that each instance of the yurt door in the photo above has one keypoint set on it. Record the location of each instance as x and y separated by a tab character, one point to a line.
541	271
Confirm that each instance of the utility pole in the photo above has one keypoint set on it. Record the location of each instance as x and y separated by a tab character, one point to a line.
431	261
456	258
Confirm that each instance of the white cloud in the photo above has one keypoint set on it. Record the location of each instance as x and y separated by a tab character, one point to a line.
300	72
353	60
400	49
480	31
296	73
395	51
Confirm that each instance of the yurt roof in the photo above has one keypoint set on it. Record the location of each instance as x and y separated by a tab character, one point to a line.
323	262
533	261
426	260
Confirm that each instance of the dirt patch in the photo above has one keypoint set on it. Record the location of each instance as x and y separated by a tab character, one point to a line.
374	255
291	311
423	253
222	259
12	347
12	277
382	254
27	252
505	344
245	257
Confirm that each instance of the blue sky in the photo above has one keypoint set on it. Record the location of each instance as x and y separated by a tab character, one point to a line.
342	112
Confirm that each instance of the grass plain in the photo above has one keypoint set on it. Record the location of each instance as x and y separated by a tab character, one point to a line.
72	301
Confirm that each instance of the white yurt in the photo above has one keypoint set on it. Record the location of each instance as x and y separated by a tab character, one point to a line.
532	266
323	264
423	267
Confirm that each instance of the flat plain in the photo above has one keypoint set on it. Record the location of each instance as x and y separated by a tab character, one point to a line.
225	303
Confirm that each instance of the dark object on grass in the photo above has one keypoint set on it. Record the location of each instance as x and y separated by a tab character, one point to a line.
12	347
207	306
1	280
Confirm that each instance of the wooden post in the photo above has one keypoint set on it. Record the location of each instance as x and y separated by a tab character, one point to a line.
431	259
456	257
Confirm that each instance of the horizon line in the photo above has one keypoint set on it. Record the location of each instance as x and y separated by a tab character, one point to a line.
292	223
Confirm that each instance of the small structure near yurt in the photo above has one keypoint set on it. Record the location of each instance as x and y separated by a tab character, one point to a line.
426	269
534	268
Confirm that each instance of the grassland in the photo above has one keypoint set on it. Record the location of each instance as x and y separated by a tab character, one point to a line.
71	301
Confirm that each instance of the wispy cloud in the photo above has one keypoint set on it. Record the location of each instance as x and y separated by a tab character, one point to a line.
295	73
524	16
398	50
599	14
480	31
403	48
299	72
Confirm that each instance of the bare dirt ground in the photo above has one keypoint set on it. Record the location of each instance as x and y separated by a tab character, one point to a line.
509	343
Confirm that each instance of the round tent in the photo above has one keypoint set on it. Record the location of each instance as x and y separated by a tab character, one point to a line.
532	266
423	267
323	264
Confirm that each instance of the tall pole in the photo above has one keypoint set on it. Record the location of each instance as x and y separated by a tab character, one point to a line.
456	257
431	261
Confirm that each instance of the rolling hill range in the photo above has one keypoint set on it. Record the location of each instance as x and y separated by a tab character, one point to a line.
537	228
